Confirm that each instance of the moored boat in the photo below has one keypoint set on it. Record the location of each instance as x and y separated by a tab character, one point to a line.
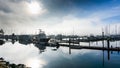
41	38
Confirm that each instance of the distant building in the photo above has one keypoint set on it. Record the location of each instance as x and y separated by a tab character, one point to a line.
1	32
59	36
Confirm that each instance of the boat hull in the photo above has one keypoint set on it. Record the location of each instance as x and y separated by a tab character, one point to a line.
41	41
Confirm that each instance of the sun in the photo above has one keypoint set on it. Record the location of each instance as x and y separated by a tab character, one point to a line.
34	8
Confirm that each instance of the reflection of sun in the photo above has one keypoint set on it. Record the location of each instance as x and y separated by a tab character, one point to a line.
35	63
34	8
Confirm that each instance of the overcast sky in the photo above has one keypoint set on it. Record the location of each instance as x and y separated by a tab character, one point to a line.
59	16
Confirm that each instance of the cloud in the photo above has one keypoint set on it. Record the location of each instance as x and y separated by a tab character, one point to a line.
73	61
14	15
93	23
64	7
78	15
78	26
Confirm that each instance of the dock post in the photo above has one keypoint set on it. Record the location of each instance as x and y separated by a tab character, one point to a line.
108	44
69	50
69	46
73	41
69	41
103	46
89	43
96	43
78	40
103	39
79	43
108	55
111	48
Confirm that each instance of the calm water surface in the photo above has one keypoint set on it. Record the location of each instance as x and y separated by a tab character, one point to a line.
50	57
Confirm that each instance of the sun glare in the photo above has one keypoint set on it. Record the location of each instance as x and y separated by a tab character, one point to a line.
35	63
34	8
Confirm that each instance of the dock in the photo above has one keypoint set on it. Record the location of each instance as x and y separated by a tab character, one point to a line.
90	47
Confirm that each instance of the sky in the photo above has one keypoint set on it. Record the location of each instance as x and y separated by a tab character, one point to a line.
81	17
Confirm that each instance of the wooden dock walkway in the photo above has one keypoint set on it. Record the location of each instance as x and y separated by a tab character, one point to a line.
89	47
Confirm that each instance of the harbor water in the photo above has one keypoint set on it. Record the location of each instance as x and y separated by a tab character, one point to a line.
41	56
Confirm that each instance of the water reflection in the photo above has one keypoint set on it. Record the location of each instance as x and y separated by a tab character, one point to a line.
35	63
2	42
37	55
